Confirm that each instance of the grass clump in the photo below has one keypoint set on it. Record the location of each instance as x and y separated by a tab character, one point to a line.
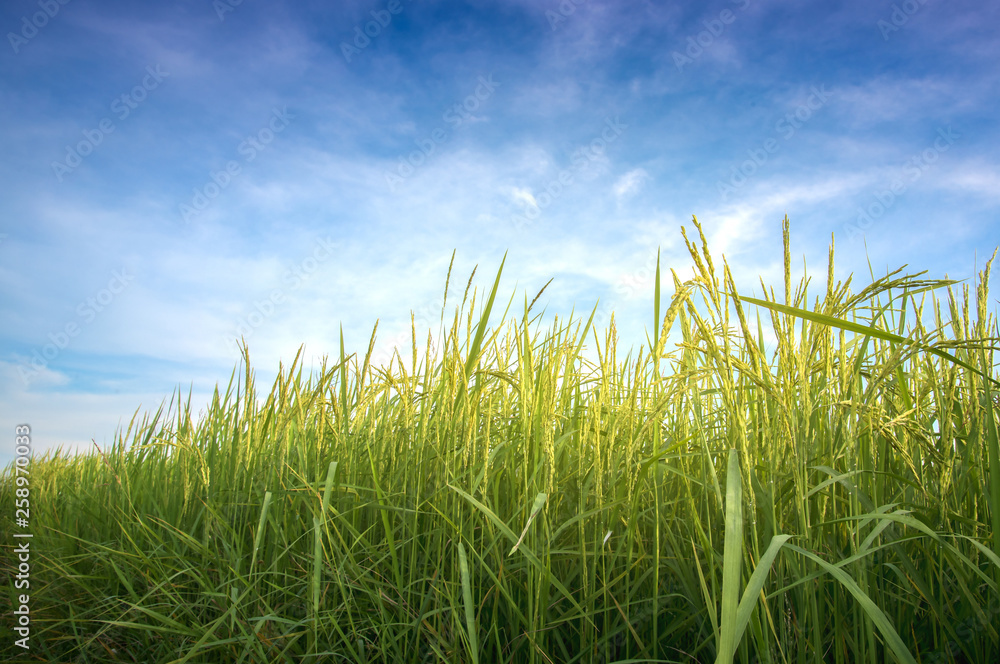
508	499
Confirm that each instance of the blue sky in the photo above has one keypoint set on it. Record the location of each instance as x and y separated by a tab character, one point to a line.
176	174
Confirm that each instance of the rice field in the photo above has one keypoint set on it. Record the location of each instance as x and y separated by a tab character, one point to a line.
703	498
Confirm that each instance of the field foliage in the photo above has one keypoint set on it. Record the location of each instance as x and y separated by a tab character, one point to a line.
830	496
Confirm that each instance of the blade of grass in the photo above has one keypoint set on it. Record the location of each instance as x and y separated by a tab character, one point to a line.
535	509
833	321
889	633
470	607
732	561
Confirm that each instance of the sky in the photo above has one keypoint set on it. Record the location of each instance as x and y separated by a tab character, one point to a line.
177	175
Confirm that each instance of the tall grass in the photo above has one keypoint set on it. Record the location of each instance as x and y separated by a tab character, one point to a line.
509	500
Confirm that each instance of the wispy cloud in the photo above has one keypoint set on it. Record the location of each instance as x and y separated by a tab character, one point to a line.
630	183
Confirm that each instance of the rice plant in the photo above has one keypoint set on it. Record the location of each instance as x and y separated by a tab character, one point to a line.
512	498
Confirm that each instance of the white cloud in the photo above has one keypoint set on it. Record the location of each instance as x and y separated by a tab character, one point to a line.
975	177
28	371
523	195
888	99
630	183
